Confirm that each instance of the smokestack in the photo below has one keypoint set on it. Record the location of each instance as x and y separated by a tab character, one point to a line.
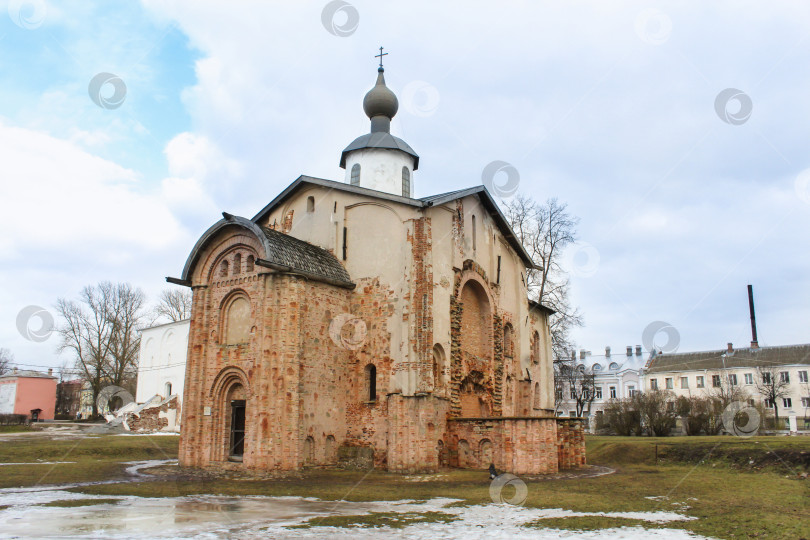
50	371
754	343
629	350
730	348
638	350
573	355
607	352
582	353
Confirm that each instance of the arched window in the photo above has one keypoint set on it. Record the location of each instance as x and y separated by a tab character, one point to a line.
223	269
596	367
237	321
371	382
355	174
249	263
614	366
508	338
237	263
310	204
168	390
438	365
537	395
309	451
536	347
406	182
473	232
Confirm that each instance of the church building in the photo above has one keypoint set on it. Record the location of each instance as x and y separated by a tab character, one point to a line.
349	323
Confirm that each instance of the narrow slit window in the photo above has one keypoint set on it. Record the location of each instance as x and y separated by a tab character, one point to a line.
406	182
355	174
310	204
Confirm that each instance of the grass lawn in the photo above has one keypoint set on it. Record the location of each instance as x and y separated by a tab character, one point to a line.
96	458
739	488
15	429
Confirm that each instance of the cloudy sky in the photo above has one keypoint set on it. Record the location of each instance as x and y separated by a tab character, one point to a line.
678	135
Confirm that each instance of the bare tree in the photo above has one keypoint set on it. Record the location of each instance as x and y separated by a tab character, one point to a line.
772	387
126	341
579	382
6	359
174	305
99	329
658	412
545	230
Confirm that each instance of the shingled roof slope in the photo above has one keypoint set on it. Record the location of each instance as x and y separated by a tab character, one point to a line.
288	251
739	358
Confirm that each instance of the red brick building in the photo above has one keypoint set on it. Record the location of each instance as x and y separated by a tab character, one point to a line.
350	322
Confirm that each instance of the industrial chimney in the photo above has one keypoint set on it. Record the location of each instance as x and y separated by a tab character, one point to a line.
754	343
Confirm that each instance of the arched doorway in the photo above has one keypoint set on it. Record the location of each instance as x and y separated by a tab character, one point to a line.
237	403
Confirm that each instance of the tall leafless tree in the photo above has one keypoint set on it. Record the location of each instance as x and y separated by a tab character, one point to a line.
545	230
579	383
100	330
174	305
6	359
772	387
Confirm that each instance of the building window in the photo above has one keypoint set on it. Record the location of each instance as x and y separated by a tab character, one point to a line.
784	376
787	402
536	395
699	381
508	349
806	402
769	403
766	378
612	392
653	384
802	376
732	379
223	269
715	381
536	347
749	378
310	204
237	263
631	391
751	402
669	384
371	382
598	392
406	182
168	389
473	233
684	382
355	174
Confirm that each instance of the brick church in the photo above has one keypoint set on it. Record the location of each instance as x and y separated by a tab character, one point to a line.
349	323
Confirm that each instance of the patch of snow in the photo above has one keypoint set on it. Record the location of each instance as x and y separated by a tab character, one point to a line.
135	466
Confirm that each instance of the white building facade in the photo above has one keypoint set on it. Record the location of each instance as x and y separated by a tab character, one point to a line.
616	376
705	374
162	365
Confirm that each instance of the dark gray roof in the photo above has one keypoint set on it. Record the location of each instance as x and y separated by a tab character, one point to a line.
379	139
434	200
739	358
303	257
281	252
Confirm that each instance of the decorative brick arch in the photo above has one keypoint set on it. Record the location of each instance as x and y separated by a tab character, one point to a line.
227	381
482	350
